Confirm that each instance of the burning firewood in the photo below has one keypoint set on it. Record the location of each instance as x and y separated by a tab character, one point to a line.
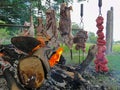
10	53
33	70
54	59
25	44
11	82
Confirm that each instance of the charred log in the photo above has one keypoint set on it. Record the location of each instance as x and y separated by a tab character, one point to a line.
63	79
91	54
60	76
11	82
25	44
31	72
10	53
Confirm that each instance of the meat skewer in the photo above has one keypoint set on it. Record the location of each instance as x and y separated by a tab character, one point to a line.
81	36
80	40
51	28
65	26
28	32
41	33
31	29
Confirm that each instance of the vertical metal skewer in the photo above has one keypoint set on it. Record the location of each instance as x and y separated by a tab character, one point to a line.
81	25
71	54
100	5
81	10
83	56
79	57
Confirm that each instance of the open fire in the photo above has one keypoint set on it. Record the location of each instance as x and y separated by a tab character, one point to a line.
38	71
54	59
1	54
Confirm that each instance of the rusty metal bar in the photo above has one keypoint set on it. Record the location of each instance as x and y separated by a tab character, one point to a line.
13	25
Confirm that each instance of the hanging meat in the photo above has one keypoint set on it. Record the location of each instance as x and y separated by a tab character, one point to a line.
41	33
81	35
40	26
80	40
31	29
25	31
28	32
65	25
101	61
51	28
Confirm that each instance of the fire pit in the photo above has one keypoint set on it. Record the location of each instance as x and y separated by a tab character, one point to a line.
28	69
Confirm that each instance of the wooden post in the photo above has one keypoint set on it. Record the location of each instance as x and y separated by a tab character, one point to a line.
109	31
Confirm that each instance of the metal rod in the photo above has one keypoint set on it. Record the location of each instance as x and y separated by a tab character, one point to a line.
83	55
79	56
81	19
81	10
100	3
13	25
71	54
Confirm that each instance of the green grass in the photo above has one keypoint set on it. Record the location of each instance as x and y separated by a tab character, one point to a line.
114	61
75	53
114	58
116	48
113	64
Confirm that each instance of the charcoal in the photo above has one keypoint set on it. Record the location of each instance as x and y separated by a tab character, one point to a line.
25	44
10	54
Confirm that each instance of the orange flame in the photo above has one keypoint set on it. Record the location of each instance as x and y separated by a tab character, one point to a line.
42	44
55	57
1	54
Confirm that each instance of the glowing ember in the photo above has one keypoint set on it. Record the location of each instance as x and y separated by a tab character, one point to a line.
1	54
42	44
55	57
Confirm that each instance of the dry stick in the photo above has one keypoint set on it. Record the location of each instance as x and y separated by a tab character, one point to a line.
79	56
71	54
83	55
91	54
